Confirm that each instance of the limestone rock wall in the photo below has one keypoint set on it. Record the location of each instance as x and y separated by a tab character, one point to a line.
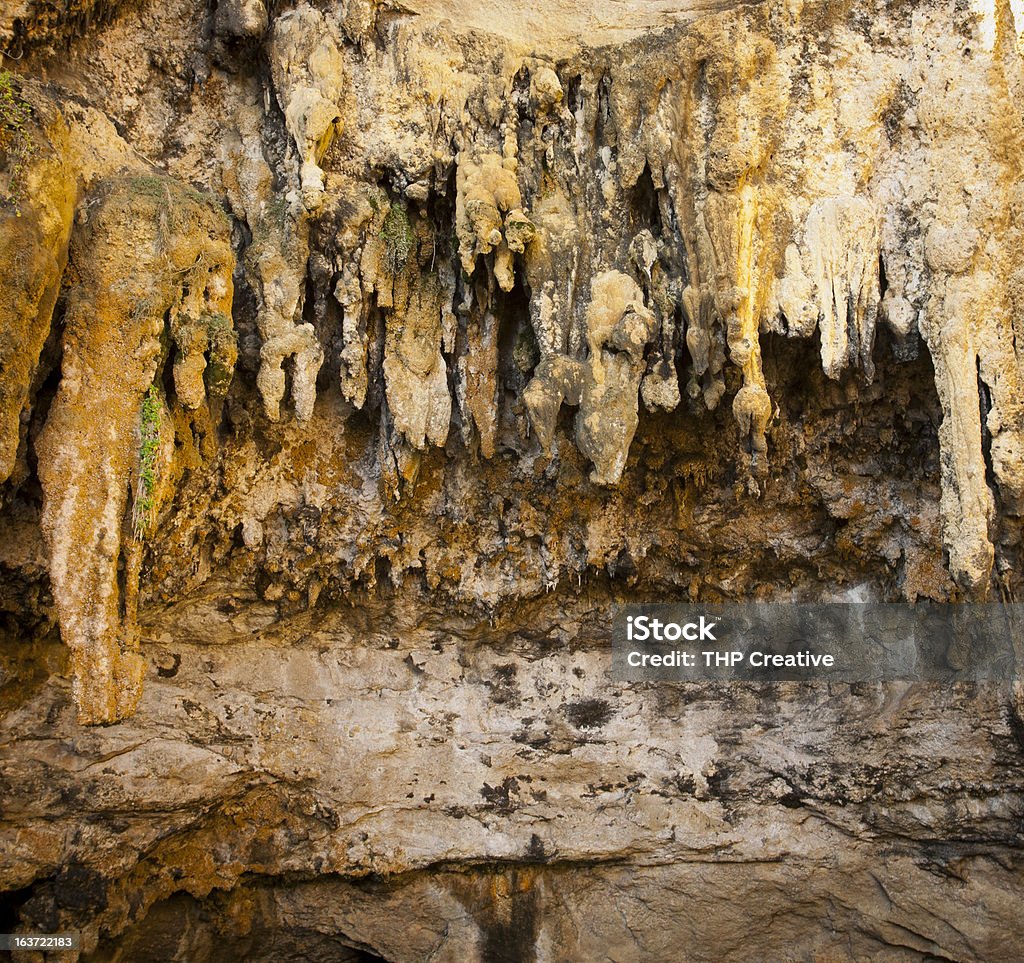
356	359
36	230
154	266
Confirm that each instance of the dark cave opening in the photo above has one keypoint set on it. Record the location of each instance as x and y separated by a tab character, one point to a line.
228	927
11	903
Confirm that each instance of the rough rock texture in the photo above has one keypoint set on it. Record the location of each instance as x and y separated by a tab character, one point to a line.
356	360
35	227
151	256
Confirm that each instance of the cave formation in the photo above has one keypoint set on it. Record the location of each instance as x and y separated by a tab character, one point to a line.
358	359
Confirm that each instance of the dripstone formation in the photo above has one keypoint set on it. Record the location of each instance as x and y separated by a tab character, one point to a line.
357	358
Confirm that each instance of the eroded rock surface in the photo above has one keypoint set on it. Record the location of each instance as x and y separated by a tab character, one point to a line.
35	227
152	255
356	360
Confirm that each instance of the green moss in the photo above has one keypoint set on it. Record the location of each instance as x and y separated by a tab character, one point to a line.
16	146
181	206
277	211
223	354
526	351
273	223
398	238
149	185
149	445
217	322
167	189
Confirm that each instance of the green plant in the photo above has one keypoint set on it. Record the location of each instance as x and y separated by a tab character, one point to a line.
149	444
217	323
398	238
16	145
223	353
